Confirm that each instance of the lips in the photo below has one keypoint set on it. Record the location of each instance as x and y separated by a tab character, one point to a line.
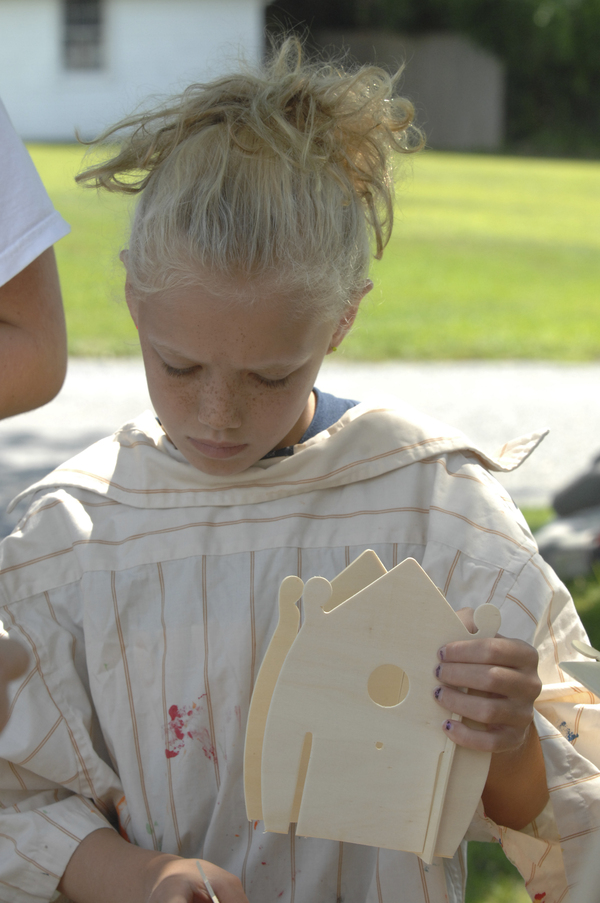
218	450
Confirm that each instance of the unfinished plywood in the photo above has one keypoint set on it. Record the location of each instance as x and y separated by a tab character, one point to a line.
290	592
587	673
360	573
353	747
487	621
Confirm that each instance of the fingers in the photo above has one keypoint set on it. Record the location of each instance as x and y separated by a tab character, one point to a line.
494	739
498	666
498	650
494	724
501	677
177	880
495	679
497	723
226	887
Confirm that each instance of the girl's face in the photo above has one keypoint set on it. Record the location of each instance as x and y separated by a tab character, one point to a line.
229	382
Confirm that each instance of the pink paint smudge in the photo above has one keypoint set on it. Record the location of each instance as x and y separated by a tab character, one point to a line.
207	747
185	724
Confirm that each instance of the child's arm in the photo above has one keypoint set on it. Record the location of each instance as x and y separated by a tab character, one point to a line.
106	867
33	343
505	672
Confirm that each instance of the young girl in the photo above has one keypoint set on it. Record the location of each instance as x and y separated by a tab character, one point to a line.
144	577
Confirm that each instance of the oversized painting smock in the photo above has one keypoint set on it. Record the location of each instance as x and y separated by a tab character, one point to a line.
146	592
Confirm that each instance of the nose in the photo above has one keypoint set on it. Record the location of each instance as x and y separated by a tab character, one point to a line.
219	406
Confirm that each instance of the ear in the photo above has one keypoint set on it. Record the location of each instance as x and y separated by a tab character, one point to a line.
345	324
130	296
132	303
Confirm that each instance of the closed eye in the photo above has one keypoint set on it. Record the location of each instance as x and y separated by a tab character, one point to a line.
272	383
178	372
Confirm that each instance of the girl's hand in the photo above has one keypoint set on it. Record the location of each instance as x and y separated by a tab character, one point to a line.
179	881
105	867
503	683
501	675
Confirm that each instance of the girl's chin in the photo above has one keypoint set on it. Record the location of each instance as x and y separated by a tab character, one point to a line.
215	451
222	465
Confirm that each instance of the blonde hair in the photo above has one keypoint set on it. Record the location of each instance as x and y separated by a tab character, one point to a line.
283	173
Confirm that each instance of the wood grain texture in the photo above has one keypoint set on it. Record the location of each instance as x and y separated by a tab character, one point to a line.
487	620
286	631
587	673
360	573
349	768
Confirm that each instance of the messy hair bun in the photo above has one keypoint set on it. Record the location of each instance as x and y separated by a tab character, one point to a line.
282	173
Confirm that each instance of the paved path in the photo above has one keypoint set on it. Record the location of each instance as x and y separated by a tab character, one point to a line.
491	402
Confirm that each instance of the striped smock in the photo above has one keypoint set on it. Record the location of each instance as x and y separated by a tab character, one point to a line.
146	592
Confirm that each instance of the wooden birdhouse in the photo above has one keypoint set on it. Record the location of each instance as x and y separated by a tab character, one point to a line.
344	735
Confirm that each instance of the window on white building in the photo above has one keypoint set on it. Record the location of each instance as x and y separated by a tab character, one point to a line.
83	37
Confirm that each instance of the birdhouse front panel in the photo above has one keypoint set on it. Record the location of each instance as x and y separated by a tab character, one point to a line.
353	745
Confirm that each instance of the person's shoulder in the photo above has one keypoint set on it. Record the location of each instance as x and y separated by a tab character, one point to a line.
29	223
450	475
99	468
40	553
65	509
393	422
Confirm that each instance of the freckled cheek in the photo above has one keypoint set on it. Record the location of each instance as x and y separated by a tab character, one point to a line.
275	412
173	403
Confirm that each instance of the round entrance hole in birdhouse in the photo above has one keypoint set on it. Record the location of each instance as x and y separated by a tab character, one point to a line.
388	685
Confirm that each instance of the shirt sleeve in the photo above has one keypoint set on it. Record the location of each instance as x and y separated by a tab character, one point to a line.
29	224
56	781
551	851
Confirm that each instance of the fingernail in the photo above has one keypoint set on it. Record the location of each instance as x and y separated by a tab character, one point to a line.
437	692
438	670
442	653
447	725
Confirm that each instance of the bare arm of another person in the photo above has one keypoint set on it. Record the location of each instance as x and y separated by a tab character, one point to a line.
33	341
106	867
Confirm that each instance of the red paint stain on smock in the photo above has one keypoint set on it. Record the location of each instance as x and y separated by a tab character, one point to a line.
184	725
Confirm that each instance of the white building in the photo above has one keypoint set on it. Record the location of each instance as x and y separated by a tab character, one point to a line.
67	64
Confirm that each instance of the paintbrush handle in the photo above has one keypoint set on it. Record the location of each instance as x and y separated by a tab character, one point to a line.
207	883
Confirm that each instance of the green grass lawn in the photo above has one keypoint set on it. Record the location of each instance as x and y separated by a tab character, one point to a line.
91	273
492	257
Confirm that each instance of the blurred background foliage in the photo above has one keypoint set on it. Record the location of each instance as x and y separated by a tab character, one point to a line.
549	49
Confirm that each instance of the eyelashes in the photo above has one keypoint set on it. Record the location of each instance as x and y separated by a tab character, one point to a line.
176	372
272	383
181	373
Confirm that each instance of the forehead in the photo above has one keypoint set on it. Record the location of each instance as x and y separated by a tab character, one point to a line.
252	322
